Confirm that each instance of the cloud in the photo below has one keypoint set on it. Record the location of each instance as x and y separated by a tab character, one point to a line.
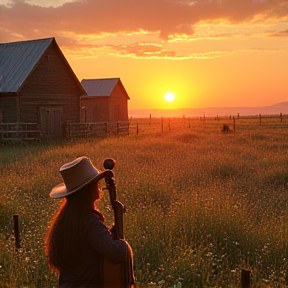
158	51
78	23
283	33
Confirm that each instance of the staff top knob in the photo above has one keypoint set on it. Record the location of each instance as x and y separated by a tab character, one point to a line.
109	163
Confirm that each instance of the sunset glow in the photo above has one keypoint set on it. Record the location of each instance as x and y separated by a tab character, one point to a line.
209	53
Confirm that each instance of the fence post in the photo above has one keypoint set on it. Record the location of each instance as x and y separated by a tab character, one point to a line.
117	127
281	117
260	119
137	129
234	124
169	125
16	231
161	124
245	278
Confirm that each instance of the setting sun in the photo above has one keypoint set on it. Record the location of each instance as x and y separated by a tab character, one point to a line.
169	97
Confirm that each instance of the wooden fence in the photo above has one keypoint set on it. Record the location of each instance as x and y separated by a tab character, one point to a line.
32	131
86	130
123	128
19	131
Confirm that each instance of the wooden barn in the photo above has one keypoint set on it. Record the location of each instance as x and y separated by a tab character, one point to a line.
106	101
37	86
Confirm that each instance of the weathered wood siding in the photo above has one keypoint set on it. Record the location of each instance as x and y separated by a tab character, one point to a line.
95	109
50	85
118	104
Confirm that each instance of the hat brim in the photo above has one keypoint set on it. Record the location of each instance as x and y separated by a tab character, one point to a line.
60	190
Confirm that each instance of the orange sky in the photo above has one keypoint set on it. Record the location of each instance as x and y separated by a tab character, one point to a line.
209	53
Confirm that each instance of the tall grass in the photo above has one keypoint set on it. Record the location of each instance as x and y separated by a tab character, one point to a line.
201	205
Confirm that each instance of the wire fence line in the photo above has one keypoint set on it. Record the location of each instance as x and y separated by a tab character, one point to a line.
32	131
225	123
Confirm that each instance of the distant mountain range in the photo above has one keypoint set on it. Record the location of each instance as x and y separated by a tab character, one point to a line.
211	111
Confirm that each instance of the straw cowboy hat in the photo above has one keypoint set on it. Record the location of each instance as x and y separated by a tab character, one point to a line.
76	174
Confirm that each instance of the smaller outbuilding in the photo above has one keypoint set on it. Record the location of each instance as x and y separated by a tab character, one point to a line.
106	101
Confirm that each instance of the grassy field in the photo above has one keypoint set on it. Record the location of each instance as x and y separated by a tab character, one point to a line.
201	205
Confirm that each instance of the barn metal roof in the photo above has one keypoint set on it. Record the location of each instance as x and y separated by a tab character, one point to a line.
17	60
99	87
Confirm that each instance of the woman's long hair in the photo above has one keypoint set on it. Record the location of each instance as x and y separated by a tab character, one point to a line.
66	232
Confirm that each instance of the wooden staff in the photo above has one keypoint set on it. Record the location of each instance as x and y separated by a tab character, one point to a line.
117	275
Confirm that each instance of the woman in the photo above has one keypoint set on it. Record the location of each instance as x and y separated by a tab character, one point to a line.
78	241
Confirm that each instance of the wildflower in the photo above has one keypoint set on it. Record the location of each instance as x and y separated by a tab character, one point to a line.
141	205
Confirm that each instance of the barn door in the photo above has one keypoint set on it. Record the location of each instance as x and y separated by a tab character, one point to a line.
50	120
